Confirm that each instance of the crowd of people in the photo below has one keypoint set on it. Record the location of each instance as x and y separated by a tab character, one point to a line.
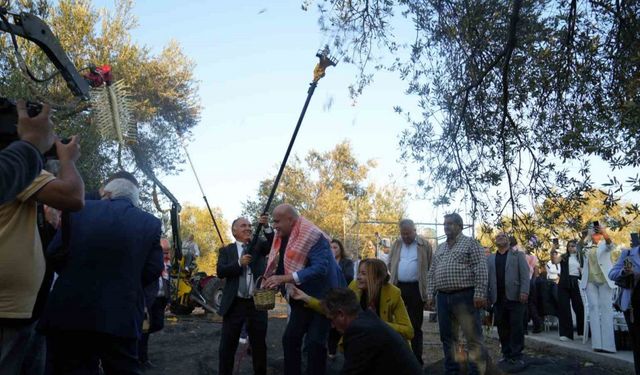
82	291
461	281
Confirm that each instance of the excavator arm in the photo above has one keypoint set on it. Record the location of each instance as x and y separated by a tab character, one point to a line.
34	29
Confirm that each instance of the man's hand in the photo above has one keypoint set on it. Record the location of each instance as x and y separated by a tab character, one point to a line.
36	130
264	220
524	298
276	280
479	303
245	260
429	305
70	151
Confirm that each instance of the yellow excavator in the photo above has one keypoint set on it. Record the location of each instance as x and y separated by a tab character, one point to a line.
188	287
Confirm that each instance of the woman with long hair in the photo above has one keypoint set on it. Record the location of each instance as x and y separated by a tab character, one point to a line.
346	264
569	297
374	292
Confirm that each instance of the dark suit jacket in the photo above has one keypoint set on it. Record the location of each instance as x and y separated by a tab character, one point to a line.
346	266
371	347
114	252
229	269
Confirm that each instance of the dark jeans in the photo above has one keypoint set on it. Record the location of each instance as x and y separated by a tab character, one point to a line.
334	338
36	360
143	348
15	346
547	291
415	307
568	297
634	333
79	353
455	311
508	315
241	311
304	321
532	312
156	323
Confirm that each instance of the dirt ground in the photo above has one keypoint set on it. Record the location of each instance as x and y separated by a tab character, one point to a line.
189	346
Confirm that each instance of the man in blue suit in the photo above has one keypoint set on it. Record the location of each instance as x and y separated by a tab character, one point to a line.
301	255
95	310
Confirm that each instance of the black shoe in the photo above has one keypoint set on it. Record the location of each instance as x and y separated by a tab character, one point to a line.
516	365
147	365
512	366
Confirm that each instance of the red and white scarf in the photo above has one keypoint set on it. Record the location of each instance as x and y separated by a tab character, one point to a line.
304	234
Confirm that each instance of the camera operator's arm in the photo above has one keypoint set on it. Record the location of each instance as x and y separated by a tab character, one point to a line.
66	192
21	161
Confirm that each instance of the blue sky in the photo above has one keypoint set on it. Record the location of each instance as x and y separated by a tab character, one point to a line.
255	61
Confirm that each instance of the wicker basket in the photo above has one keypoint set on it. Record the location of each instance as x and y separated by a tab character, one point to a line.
263	299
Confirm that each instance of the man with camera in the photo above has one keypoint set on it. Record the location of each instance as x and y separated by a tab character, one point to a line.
22	262
21	160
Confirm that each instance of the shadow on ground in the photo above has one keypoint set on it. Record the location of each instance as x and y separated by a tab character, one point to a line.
189	346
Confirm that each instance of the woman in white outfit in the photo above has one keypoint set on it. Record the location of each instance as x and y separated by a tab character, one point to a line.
599	288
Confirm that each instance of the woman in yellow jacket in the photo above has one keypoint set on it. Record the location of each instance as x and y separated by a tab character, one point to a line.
374	292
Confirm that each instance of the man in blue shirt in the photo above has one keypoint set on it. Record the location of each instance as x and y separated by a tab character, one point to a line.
627	271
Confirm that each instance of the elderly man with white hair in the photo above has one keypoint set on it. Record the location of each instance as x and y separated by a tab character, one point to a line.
95	310
409	263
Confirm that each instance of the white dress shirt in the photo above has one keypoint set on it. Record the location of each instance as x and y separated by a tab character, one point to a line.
249	275
408	265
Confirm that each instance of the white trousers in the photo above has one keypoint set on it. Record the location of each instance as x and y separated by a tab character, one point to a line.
600	298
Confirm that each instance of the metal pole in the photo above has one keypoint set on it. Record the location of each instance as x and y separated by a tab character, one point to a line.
254	240
204	196
318	72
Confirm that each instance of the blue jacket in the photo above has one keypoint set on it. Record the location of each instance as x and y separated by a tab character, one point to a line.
114	251
322	272
616	273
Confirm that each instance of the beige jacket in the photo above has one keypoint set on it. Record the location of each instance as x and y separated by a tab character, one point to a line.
425	254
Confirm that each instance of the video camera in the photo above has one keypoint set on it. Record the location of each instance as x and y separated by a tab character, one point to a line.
9	124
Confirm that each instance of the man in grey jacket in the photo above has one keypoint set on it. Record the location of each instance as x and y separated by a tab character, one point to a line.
409	263
508	293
